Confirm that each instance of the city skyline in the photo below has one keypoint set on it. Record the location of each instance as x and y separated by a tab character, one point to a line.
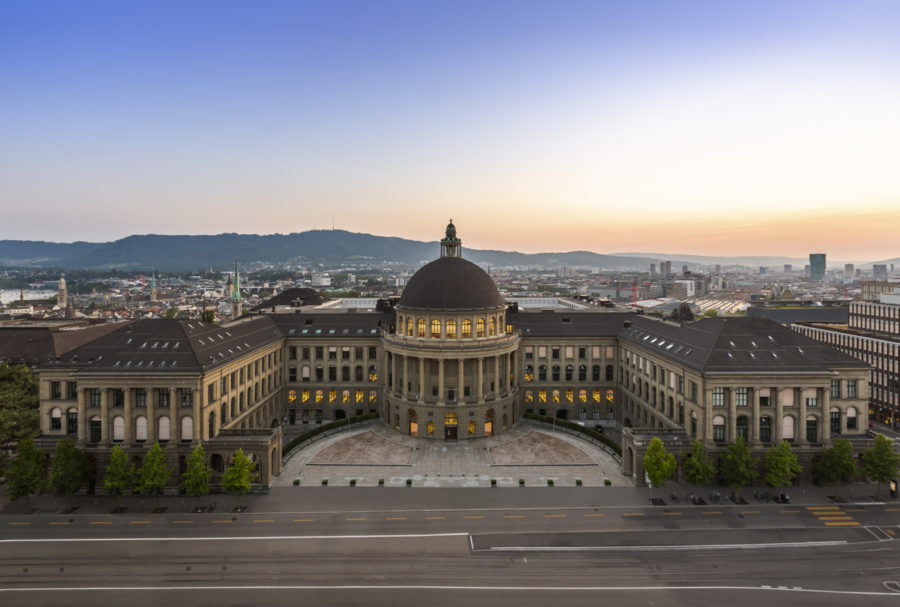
711	130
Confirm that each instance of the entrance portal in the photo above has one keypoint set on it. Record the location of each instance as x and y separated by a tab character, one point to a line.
450	423
449	432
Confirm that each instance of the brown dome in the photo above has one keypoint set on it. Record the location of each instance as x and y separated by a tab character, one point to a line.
451	283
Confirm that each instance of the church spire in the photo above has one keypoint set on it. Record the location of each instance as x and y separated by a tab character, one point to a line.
236	304
451	246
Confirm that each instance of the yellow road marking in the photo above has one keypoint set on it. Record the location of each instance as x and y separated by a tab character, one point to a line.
892	509
18	523
263	520
138	522
595	514
844	524
435	518
478	516
304	520
823	507
224	521
890	531
789	511
395	518
182	522
749	512
672	513
633	514
357	519
554	516
101	522
835	518
513	516
714	512
854	509
60	523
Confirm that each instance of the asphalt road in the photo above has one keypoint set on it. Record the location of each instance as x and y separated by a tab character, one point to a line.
388	554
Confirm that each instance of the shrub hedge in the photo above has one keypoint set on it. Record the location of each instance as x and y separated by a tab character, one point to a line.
578	428
325	428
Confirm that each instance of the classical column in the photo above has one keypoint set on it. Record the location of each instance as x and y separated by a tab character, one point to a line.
151	415
421	396
82	416
393	372
104	415
198	418
440	380
174	423
778	422
800	430
480	378
496	375
732	414
127	415
509	371
407	385
707	415
826	413
754	424
460	368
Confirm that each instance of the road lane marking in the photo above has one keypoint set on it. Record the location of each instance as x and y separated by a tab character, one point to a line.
513	516
358	518
224	521
789	511
749	512
138	522
854	509
101	522
478	516
835	518
844	524
18	523
60	523
633	514
892	509
554	516
435	518
595	514
823	507
395	518
233	538
304	520
263	520
182	522
672	513
713	512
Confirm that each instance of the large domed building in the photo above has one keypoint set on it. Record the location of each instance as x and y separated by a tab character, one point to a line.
452	360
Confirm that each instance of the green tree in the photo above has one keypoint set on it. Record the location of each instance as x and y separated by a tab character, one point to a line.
237	476
699	470
197	475
881	461
658	465
119	475
69	468
173	312
782	465
19	413
154	474
737	465
208	316
26	472
837	464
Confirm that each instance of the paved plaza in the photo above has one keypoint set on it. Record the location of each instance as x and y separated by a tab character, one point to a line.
525	452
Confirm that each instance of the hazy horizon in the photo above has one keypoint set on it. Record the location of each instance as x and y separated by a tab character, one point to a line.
711	129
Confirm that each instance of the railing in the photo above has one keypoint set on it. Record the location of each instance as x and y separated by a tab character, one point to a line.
430	343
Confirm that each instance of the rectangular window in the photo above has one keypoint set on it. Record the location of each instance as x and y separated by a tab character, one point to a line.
542	351
292	352
610	352
718	397
71	390
555	353
292	373
529	352
345	353
811	401
740	397
55	390
373	353
719	433
570	351
681	384
95	395
851	388
582	352
595	351
210	393
693	391
140	397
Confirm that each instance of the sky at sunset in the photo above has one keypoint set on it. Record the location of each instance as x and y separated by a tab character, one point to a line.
710	128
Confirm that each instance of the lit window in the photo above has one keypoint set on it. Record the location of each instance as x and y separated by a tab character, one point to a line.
569	396
492	326
467	329
435	329
596	396
582	396
332	396
610	395
292	396
556	396
320	395
409	326
542	396
529	396
422	327
373	396
304	396
451	329
345	396
479	328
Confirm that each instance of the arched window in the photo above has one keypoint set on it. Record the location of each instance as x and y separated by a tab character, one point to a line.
223	410
529	373
118	428
851	418
451	329
422	327
479	327
555	373
489	422
595	373
742	428
217	463
569	371
435	329
609	373
467	329
164	430
187	428
719	429
212	424
582	373
471	428
542	373
409	326
56	419
492	326
787	428
358	373
140	428
450	419
812	428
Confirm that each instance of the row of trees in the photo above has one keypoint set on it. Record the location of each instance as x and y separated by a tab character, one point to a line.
70	467
738	468
19	416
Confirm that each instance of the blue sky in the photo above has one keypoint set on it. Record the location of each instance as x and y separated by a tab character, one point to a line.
697	127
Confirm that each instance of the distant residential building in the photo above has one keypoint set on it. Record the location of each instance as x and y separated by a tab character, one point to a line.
788	268
817	266
871	290
848	270
652	270
762	270
879	271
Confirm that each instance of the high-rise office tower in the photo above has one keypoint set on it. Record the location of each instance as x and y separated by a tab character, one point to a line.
817	266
